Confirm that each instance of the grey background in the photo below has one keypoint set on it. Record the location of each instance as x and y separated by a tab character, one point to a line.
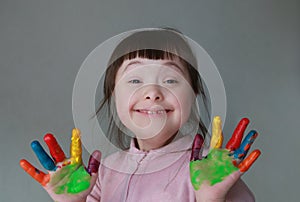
255	45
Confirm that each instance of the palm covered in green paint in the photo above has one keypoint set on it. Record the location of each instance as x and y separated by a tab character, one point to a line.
67	178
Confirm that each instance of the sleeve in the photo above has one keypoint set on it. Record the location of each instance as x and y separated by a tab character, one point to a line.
95	194
240	192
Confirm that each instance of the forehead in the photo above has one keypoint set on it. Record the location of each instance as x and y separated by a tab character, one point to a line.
174	63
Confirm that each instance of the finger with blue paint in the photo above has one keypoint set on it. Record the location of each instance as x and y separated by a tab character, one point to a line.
240	153
43	157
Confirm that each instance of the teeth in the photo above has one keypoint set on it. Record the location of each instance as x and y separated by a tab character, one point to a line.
153	112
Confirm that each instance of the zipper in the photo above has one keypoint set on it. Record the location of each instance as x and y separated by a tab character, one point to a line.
131	176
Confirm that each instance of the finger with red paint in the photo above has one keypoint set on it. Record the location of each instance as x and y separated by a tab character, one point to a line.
237	135
54	148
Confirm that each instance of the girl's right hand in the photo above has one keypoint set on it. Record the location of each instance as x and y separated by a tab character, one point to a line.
67	180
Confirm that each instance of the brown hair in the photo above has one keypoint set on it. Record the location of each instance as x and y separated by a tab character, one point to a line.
151	44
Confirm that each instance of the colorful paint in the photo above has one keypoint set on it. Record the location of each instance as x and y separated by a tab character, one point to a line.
77	181
237	136
214	168
54	148
76	149
67	175
217	136
43	157
219	163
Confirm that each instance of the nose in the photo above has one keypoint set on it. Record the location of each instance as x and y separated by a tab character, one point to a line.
153	93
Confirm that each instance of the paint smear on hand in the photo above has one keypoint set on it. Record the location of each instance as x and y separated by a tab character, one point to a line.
214	168
78	181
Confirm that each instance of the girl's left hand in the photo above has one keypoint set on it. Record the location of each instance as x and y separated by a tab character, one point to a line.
214	175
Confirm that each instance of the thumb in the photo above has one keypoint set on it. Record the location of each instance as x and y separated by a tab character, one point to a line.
231	179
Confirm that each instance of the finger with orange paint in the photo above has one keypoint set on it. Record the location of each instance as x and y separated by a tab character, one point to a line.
248	162
35	173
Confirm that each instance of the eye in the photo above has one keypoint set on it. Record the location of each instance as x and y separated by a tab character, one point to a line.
134	81
170	81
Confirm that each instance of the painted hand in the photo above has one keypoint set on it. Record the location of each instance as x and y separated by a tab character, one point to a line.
216	173
67	178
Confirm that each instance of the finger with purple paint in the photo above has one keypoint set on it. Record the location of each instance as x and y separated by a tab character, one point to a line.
94	162
197	148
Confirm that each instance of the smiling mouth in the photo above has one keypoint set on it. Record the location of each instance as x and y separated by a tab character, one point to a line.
146	111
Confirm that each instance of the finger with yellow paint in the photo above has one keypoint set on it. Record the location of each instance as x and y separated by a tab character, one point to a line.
217	136
75	148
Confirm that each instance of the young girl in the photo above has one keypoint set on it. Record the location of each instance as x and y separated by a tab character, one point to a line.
150	91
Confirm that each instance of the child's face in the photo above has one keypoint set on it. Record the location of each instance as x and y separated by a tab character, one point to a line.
153	97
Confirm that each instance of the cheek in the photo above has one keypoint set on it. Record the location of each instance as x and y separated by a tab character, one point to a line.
125	101
120	103
185	100
185	110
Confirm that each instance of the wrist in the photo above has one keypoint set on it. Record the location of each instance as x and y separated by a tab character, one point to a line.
208	199
211	200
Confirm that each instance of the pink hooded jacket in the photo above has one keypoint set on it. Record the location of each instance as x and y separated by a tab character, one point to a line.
156	175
